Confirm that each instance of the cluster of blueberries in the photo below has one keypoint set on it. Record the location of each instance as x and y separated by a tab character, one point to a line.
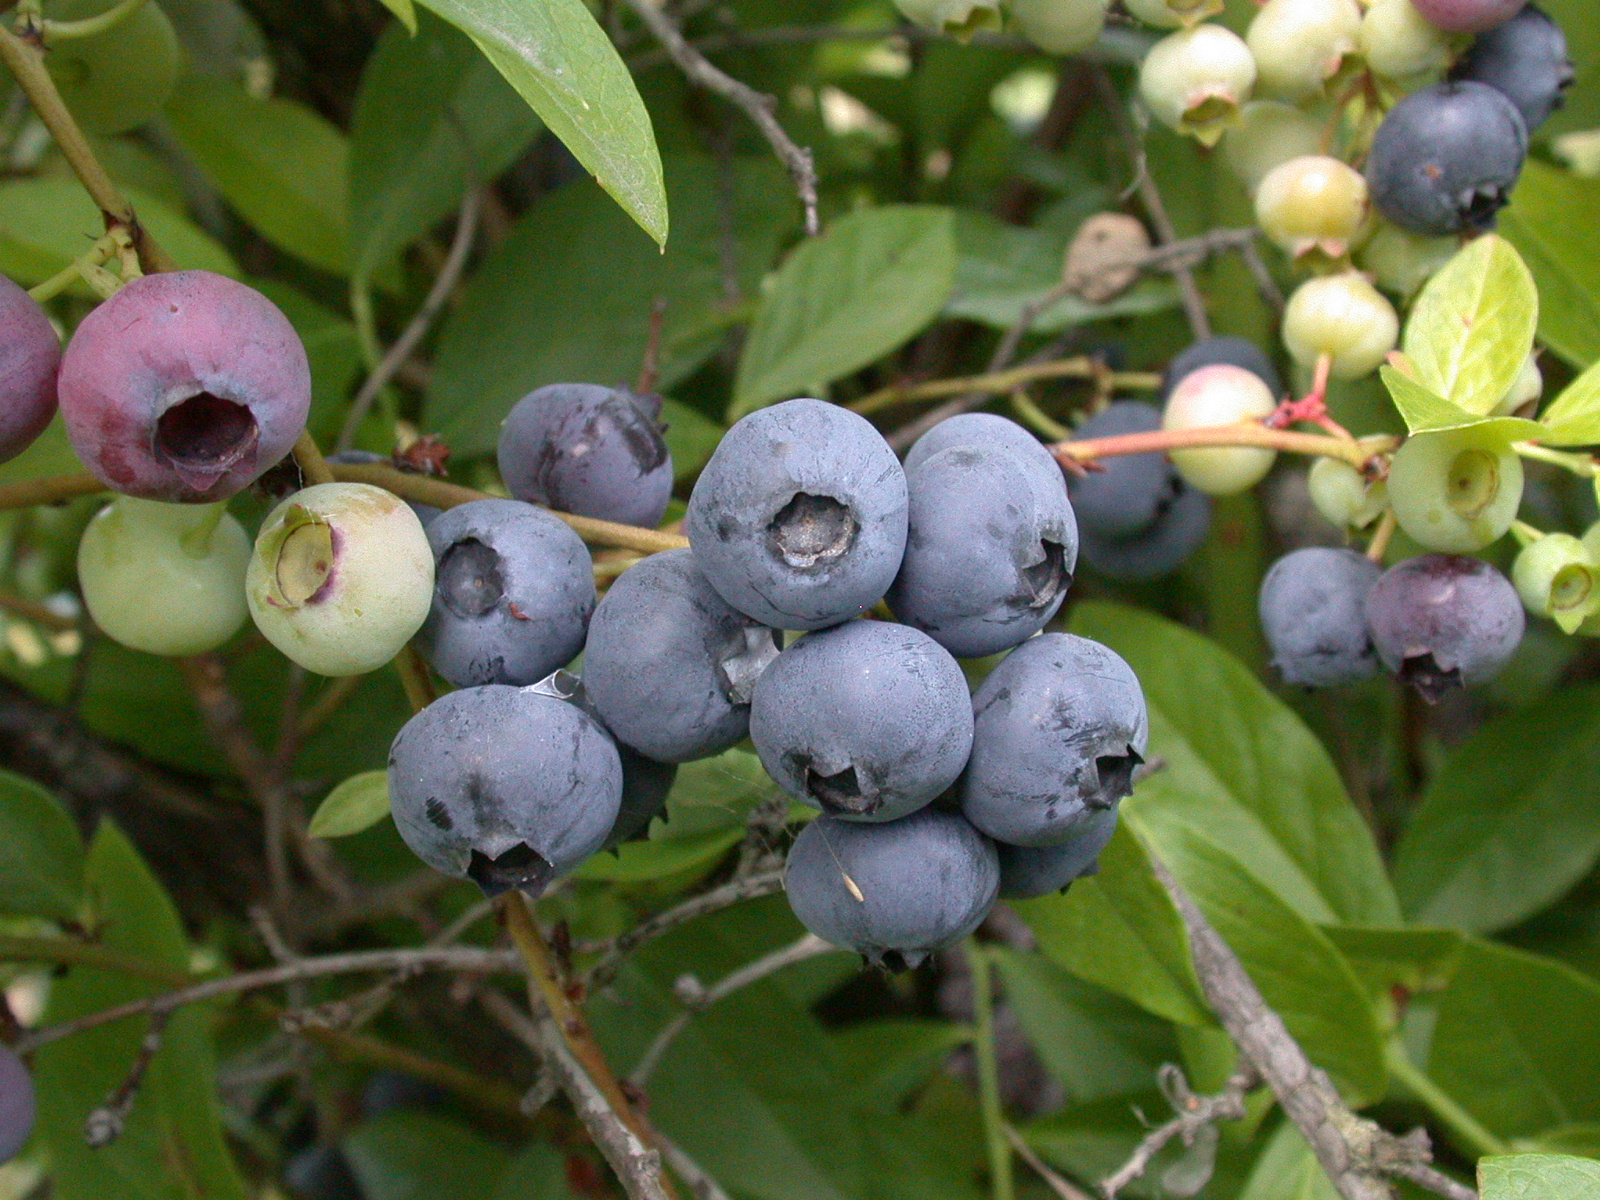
934	801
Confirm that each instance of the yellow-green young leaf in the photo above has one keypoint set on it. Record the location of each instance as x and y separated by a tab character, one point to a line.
1574	418
282	166
46	223
1538	1177
1472	327
871	282
1425	411
404	10
1552	219
358	803
562	63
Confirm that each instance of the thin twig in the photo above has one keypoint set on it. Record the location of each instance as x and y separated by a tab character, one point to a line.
1243	433
1194	1113
757	106
1434	1181
1002	1185
444	283
637	1165
718	898
697	998
104	1124
999	382
700	1182
53	489
1194	305
308	456
1053	1179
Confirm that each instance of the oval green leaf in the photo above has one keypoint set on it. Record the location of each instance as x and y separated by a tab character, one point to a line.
1552	219
41	855
358	803
1538	1177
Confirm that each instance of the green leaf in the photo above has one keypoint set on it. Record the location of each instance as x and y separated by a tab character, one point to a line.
1551	220
1472	327
577	271
172	1146
1241	769
691	437
358	803
281	165
46	223
539	1169
1288	1170
1300	973
1094	1043
41	855
432	118
406	1155
873	280
1538	1177
562	63
1509	823
1574	417
1427	412
1118	928
405	11
1417	960
1517	1041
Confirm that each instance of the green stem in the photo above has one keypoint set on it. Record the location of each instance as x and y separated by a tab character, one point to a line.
1525	534
1462	1124
55	31
1001	1186
1578	464
1041	422
365	321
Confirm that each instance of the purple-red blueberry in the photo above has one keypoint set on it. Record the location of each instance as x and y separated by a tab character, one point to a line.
30	354
184	386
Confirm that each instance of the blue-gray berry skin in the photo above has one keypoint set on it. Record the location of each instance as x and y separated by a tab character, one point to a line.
1440	621
646	784
799	519
512	596
18	1105
980	429
1222	350
1313	611
1029	871
586	449
1526	59
508	787
867	721
1060	726
1132	491
669	666
1445	158
892	892
990	549
1161	548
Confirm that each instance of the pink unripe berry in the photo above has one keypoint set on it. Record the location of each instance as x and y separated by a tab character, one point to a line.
1219	395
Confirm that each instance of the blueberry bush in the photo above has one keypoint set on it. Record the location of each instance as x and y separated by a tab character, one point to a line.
830	600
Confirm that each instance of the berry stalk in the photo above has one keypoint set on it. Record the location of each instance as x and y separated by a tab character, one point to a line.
1244	433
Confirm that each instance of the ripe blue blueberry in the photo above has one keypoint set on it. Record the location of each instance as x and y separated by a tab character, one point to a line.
509	787
1445	158
18	1107
30	354
669	666
799	519
184	386
513	590
893	892
586	449
980	429
1131	491
991	546
646	784
1440	621
1527	60
867	721
1313	613
1224	351
1029	871
1060	726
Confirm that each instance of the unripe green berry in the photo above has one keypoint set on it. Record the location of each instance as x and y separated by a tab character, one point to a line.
1401	261
1342	316
956	17
1060	26
1299	45
1344	496
1267	134
1556	577
164	578
1455	490
1529	385
1196	80
1312	205
341	577
1172	14
1219	395
1397	41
